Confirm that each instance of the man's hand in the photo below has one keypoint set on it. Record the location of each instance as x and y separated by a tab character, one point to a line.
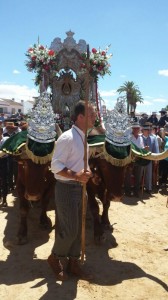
83	176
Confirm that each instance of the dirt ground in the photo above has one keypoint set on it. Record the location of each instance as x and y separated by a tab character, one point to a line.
136	269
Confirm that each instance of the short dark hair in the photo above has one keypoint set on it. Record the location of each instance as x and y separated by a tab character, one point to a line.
79	109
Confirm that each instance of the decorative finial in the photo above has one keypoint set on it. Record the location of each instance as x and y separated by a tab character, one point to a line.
118	126
70	34
42	124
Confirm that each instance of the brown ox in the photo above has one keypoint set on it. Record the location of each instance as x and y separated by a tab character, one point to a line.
34	182
106	185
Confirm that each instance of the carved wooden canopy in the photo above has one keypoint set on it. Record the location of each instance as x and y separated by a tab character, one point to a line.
68	83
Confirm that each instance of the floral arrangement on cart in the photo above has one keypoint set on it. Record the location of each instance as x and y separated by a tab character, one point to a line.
40	60
43	61
98	64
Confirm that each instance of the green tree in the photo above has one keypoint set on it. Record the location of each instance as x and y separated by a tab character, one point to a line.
133	95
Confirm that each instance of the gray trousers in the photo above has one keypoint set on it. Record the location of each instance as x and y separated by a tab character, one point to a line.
148	176
68	203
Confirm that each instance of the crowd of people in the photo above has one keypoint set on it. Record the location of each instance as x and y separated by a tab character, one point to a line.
151	134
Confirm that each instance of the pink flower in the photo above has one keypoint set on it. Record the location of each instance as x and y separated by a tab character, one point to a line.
94	50
94	62
41	47
51	52
103	53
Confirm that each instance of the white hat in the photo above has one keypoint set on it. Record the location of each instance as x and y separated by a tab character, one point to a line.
135	125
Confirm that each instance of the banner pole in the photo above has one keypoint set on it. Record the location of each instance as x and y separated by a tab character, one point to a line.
84	200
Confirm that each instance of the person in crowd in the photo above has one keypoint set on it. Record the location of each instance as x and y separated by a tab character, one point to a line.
163	118
143	119
155	164
2	117
161	144
133	117
135	169
1	123
23	125
68	167
164	162
3	171
10	130
153	119
151	144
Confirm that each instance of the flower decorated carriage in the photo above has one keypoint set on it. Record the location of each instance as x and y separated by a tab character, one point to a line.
63	67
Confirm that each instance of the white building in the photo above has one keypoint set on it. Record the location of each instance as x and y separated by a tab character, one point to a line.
10	107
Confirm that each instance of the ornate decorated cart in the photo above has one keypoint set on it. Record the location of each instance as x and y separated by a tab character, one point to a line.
63	68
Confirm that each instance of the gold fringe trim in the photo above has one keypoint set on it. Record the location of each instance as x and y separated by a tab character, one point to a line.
115	161
39	159
94	150
17	152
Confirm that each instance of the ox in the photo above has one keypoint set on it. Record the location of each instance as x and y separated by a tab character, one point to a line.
34	179
106	183
34	182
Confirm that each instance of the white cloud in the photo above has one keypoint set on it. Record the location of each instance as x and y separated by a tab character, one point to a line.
147	97
16	72
110	103
163	72
18	92
108	93
160	100
145	102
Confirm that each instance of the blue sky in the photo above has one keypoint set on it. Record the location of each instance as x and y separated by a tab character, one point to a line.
137	31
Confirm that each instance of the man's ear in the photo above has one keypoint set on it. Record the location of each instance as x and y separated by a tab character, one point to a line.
81	117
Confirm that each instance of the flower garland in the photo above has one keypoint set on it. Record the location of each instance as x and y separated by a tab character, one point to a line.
98	61
40	59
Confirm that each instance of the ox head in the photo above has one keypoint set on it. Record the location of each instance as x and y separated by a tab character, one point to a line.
33	179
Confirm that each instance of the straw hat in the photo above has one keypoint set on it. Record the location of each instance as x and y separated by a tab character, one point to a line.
147	126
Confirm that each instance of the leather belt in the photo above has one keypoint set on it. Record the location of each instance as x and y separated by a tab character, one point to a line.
69	182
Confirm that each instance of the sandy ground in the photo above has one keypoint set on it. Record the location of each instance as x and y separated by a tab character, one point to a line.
136	269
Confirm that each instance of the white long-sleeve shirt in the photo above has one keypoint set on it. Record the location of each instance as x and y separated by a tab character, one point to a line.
69	152
138	141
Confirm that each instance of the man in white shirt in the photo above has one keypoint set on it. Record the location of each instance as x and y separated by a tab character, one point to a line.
68	167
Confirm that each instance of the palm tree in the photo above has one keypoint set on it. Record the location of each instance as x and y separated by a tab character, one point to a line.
133	95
